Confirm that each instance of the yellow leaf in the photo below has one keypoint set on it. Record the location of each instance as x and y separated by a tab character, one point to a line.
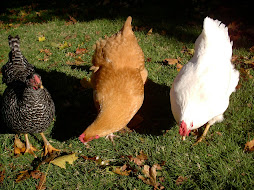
60	161
63	46
150	32
171	61
41	38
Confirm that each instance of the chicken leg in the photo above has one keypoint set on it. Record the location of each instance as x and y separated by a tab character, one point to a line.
203	135
29	147
48	147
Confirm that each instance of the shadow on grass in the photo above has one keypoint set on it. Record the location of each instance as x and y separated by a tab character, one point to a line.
74	105
156	110
75	109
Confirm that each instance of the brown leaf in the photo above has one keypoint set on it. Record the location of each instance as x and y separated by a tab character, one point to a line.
70	54
139	159
181	180
121	170
19	147
36	174
42	181
2	176
22	176
149	59
249	146
150	173
170	61
80	51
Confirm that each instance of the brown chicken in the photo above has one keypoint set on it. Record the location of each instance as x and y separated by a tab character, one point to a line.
118	81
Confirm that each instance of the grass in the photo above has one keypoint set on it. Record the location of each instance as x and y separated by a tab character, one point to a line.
218	163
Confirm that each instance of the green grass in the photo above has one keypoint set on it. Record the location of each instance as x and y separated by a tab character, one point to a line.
217	163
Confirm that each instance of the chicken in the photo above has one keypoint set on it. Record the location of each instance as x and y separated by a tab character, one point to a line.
27	106
118	79
201	90
17	67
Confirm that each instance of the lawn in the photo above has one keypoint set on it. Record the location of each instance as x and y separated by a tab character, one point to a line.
219	162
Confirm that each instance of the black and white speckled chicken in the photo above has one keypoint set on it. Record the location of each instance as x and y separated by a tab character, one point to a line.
17	67
29	108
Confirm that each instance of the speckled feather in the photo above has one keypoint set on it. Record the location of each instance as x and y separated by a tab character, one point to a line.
27	110
17	67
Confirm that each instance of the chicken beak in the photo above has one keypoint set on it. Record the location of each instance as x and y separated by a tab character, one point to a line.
183	138
41	86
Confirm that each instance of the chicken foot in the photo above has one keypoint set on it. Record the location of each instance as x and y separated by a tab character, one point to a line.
29	147
203	135
48	147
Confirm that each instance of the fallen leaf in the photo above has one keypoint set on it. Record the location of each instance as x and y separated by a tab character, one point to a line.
150	176
41	38
86	83
139	159
42	181
186	50
2	176
22	176
249	146
36	174
179	66
181	180
46	51
171	61
64	46
149	59
60	161
19	147
70	54
80	51
150	32
121	170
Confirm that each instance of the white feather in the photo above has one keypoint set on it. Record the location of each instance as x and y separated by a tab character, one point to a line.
200	92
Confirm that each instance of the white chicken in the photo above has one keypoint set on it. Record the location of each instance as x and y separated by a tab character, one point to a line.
200	92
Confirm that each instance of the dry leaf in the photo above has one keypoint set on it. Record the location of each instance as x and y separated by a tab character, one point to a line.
249	146
46	51
171	61
60	161
36	174
150	176
149	59
2	176
139	159
19	147
42	181
80	51
121	170
187	51
86	83
150	32
70	54
180	180
22	176
41	38
179	66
